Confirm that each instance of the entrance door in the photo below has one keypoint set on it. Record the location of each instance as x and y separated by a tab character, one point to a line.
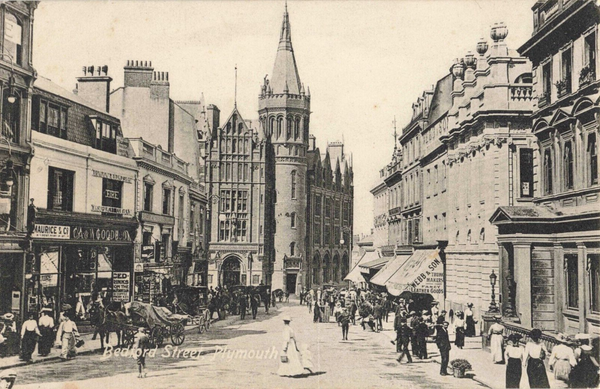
290	283
231	271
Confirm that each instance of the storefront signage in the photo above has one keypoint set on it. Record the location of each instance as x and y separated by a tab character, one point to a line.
51	231
111	176
138	267
148	253
112	194
115	210
108	234
422	273
121	283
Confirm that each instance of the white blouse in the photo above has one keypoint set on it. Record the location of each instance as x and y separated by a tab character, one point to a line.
534	350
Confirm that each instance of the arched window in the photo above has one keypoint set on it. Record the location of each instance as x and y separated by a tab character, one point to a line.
293	249
272	125
592	157
13	37
293	191
482	235
297	129
288	129
279	127
240	127
228	128
568	165
547	171
234	146
293	220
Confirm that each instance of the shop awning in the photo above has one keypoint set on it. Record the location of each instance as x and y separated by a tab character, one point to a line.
375	264
355	274
421	273
389	270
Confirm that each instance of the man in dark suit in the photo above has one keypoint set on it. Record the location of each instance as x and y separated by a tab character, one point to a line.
403	339
443	344
254	305
243	303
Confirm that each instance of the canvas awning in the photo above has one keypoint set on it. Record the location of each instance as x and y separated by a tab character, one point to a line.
423	273
375	264
355	274
389	270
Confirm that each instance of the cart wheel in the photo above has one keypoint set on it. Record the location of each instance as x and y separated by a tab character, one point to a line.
207	322
201	326
177	334
127	337
156	336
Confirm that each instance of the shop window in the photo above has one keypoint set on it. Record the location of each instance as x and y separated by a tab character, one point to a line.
13	38
572	278
594	267
568	165
526	171
166	208
293	220
548	172
592	158
60	189
111	193
148	189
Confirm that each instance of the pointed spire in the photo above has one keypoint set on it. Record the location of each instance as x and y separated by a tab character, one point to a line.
287	88
285	70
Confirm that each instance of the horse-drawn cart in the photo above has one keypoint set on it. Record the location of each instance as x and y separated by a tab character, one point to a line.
159	321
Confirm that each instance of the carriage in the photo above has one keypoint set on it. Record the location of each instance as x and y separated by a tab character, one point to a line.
160	323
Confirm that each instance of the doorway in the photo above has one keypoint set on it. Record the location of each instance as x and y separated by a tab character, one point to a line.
231	272
290	283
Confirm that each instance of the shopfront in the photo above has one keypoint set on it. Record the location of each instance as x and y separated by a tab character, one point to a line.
75	257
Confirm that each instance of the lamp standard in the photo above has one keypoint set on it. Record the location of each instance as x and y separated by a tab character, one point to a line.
493	305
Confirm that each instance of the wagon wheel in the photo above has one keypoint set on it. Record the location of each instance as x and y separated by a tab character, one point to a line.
128	336
156	336
201	325
177	335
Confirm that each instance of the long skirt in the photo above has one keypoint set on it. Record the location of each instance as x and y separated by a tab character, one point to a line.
470	326
293	366
562	369
68	346
536	372
27	345
513	372
45	344
496	348
460	337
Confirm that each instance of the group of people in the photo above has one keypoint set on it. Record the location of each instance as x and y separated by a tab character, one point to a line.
233	302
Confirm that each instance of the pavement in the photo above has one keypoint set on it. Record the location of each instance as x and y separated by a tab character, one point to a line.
244	353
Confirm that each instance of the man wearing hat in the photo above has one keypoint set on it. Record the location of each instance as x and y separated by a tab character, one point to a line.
413	323
443	343
585	373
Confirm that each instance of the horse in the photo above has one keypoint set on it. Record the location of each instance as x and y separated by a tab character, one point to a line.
106	321
278	293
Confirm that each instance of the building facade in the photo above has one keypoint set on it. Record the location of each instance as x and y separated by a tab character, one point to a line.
549	245
17	76
85	225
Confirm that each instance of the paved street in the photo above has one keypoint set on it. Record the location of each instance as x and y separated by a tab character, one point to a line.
367	359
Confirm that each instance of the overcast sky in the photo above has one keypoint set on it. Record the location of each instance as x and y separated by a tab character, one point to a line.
364	61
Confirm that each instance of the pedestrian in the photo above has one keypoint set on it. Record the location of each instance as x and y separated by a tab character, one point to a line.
470	321
302	296
243	301
331	303
29	331
514	360
337	311
345	323
353	309
562	359
309	302
441	317
267	299
459	329
413	323
254	305
377	315
585	373
46	326
403	335
291	362
141	344
422	332
287	296
496	338
67	335
443	344
317	312
435	310
535	353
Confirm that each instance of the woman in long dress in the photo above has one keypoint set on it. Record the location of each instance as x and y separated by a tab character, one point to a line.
514	360
470	331
496	336
290	364
459	328
562	359
535	353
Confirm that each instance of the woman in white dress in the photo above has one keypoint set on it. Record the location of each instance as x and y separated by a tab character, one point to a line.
535	353
290	364
562	359
496	336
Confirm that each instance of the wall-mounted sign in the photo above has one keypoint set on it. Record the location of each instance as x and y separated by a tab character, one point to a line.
148	253
112	194
111	176
109	234
138	267
115	210
51	231
121	282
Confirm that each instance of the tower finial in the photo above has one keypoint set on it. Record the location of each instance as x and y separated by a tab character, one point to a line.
235	93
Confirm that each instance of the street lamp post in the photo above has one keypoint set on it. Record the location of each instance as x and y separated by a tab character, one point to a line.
493	305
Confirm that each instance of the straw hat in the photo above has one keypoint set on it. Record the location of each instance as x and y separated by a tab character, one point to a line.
585	348
8	316
287	318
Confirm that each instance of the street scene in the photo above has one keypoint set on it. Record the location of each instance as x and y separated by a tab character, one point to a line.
299	194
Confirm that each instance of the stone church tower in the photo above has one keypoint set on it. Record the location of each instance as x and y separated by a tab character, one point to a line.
284	110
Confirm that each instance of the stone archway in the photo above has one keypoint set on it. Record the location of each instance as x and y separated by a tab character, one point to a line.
326	269
345	265
335	268
316	269
231	271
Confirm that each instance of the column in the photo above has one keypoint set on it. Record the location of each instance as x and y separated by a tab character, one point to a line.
522	262
559	286
582	277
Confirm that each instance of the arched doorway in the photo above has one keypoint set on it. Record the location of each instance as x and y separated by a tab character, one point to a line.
345	265
231	271
326	269
335	271
316	269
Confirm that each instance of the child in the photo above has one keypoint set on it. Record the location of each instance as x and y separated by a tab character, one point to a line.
141	344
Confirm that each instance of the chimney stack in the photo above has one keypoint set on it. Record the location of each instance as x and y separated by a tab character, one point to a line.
159	86
94	86
213	117
138	74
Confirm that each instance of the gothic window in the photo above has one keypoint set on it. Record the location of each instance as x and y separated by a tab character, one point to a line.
457	238
469	236
592	157
288	129
292	249
240	128
234	146
547	171
297	129
272	126
279	127
293	220
568	165
293	191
